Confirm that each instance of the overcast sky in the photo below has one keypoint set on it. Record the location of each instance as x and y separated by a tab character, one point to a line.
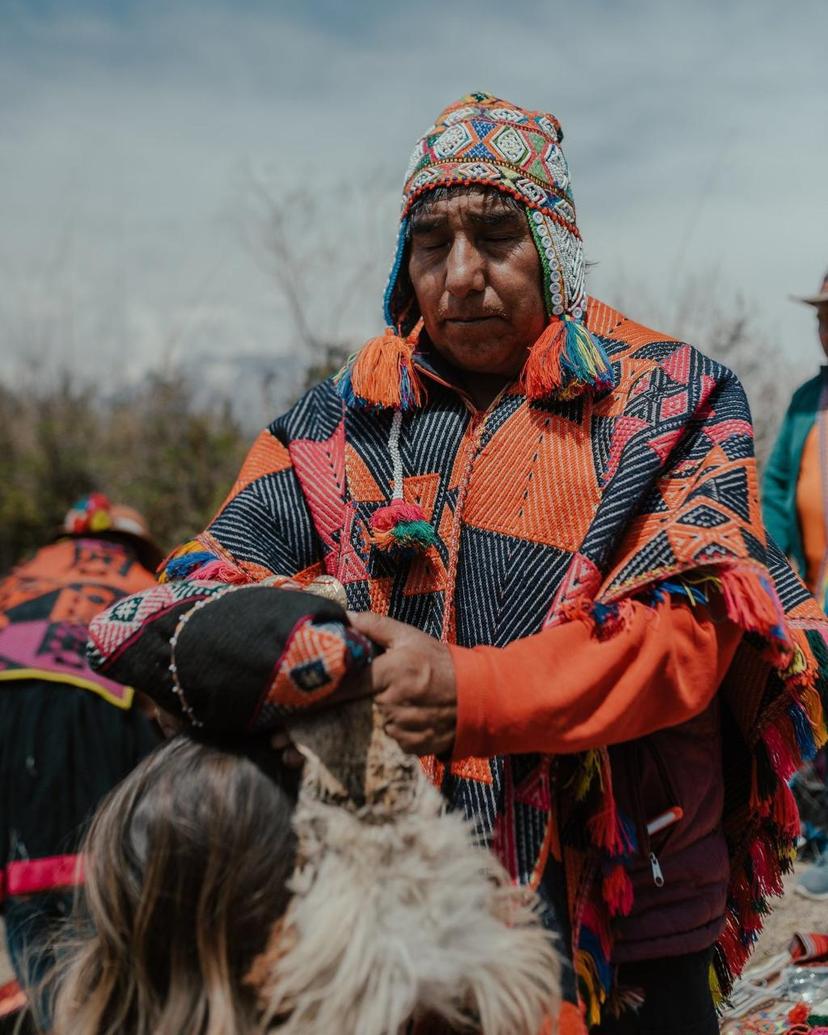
130	134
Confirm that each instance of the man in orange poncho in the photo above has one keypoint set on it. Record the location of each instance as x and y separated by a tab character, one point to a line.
551	514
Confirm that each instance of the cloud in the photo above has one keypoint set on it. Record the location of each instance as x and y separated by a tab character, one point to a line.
694	132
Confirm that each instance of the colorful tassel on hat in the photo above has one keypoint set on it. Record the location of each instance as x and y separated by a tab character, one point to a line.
564	360
382	374
89	514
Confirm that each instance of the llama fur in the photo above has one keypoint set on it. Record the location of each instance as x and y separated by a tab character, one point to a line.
396	912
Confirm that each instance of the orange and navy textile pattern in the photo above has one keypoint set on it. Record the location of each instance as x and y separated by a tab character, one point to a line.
316	658
546	512
47	603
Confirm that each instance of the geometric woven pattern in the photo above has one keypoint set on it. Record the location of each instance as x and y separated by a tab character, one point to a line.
111	631
538	509
46	605
315	659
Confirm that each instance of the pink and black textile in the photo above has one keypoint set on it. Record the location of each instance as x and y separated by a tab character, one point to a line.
297	649
555	511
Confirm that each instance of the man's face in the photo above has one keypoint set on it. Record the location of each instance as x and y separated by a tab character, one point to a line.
822	324
477	277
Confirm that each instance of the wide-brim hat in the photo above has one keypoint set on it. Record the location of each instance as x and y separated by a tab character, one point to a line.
820	298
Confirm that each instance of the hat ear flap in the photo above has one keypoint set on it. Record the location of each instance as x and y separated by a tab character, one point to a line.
399	301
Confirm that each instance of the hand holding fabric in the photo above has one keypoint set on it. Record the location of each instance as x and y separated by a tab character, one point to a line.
413	680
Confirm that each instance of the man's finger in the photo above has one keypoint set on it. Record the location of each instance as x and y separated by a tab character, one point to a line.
415	720
292	758
408	741
357	684
378	628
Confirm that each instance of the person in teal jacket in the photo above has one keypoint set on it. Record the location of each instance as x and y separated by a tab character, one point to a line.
795	484
782	469
795	510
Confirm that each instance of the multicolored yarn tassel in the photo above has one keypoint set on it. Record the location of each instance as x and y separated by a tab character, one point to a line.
184	561
218	570
753	604
192	561
792	733
382	375
588	771
564	361
785	813
91	513
401	527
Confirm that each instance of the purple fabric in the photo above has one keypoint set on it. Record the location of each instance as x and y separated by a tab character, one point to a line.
679	766
56	647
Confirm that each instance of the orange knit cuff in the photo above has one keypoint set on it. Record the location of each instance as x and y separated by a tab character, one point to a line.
474	682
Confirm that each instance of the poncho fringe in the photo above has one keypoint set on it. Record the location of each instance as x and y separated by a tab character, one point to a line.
762	831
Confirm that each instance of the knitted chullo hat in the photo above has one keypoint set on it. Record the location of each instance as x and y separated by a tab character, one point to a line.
483	141
396	909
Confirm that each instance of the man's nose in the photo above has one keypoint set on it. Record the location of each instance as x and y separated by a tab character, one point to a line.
465	269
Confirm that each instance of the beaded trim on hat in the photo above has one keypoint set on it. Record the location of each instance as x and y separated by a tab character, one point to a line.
484	141
563	267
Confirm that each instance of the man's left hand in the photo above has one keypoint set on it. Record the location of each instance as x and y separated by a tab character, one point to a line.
414	685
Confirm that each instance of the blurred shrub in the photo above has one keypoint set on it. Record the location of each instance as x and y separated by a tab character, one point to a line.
153	448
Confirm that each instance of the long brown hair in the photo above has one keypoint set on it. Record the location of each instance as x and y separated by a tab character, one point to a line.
185	870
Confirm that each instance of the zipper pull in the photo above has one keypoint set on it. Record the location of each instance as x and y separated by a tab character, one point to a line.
658	875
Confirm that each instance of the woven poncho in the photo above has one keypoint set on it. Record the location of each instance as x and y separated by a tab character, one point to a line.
548	512
618	467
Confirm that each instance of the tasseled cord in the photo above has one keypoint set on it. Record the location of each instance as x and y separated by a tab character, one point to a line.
400	528
564	360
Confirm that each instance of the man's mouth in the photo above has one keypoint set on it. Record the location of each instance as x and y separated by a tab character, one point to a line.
470	320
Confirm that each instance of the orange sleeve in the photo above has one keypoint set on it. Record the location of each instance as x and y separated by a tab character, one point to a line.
564	690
